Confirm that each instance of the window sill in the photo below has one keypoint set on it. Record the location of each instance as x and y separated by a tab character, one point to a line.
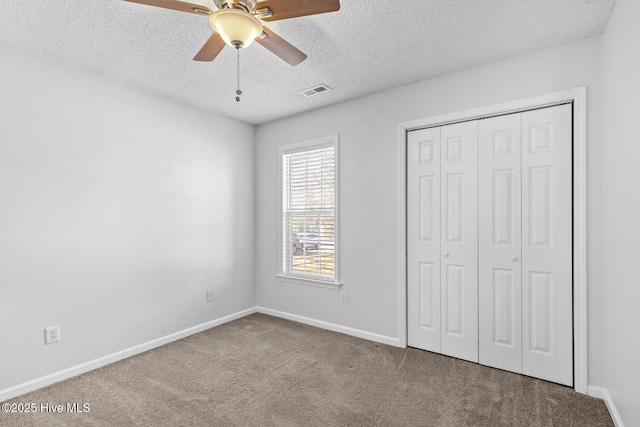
308	281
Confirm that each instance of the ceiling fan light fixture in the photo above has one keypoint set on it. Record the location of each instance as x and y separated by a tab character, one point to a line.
236	27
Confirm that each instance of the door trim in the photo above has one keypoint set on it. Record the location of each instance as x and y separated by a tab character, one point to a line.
579	98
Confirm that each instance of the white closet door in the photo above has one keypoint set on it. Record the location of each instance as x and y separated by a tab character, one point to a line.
546	244
459	240
500	336
489	239
423	239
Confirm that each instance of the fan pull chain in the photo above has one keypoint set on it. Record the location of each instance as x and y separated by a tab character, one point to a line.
238	91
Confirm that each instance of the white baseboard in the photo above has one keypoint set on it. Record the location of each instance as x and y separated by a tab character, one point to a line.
383	339
603	393
11	392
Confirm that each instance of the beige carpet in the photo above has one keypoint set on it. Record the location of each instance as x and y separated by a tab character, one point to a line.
265	371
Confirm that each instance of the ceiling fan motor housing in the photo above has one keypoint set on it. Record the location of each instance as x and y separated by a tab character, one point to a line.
246	5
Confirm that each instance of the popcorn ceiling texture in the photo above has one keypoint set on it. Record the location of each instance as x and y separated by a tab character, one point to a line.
367	47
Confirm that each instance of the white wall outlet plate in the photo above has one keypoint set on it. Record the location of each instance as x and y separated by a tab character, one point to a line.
210	295
343	298
52	334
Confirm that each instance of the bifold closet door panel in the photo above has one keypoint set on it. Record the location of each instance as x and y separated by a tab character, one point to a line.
459	240
489	242
547	279
500	219
423	239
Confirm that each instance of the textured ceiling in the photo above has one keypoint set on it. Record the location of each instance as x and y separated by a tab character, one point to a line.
366	47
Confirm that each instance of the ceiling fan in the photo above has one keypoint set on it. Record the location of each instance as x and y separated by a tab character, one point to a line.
238	23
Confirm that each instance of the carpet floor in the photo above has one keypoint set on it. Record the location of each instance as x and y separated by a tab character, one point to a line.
265	371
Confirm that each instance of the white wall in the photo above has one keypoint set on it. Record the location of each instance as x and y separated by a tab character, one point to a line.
118	209
368	184
621	201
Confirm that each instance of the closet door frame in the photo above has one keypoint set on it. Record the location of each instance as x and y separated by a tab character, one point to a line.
578	97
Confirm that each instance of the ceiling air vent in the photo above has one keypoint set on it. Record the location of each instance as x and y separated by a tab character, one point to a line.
315	90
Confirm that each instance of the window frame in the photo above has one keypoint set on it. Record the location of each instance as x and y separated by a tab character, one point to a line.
309	278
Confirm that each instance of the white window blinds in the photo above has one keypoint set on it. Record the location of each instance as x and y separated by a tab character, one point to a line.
308	212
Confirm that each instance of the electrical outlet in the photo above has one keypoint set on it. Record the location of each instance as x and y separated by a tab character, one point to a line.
210	295
343	298
52	334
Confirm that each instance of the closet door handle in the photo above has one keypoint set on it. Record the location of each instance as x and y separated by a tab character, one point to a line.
513	258
445	254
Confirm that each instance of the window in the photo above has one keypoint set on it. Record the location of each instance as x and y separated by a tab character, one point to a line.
309	198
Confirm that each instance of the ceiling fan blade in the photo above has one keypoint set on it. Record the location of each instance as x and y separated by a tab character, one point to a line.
176	5
211	48
284	9
282	48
